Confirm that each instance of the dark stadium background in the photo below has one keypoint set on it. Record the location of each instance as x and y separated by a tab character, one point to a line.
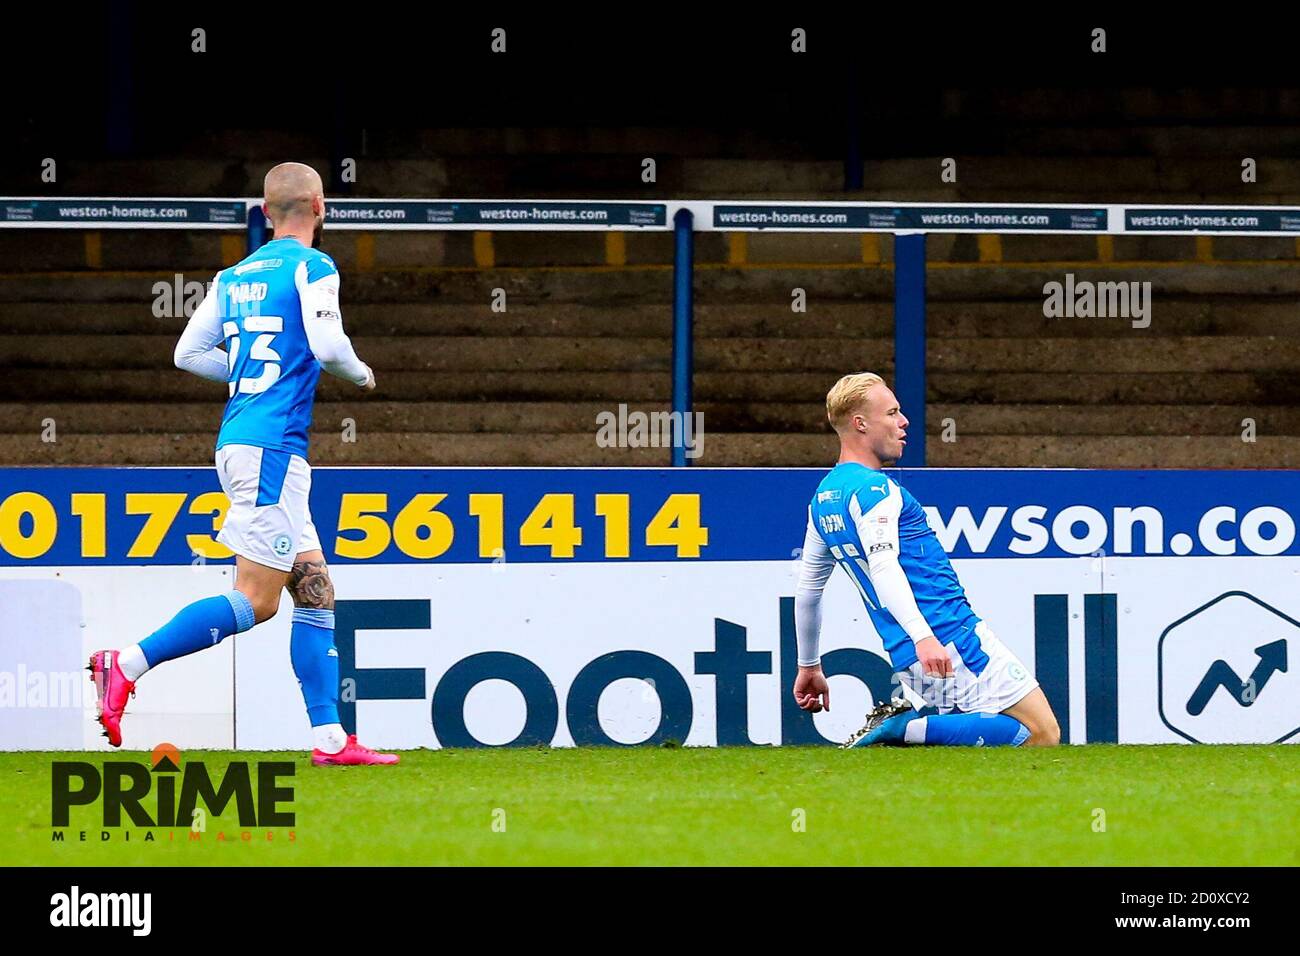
405	67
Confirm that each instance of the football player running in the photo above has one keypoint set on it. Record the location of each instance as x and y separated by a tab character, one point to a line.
277	314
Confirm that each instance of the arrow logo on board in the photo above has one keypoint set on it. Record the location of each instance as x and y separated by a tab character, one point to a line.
1272	657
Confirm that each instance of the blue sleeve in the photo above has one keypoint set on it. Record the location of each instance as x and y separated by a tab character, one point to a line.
319	266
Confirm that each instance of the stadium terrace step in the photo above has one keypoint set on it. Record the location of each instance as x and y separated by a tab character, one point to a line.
396	354
964	283
652	320
367	415
386	448
66	249
1221	315
1114	451
1018	419
423	449
1118	355
611	286
1127	420
1100	388
1049	451
1182	279
1008	420
500	353
33	386
528	418
1194	316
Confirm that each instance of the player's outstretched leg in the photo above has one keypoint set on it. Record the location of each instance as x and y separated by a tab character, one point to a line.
316	664
197	626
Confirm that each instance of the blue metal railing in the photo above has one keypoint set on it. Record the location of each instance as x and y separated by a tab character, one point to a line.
683	328
256	229
909	340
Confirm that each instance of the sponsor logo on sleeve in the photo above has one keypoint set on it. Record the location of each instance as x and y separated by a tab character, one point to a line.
260	265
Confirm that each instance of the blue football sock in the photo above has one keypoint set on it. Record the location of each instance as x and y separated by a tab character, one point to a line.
974	730
316	662
891	732
201	624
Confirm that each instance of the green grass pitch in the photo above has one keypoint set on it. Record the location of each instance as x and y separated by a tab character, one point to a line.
1163	806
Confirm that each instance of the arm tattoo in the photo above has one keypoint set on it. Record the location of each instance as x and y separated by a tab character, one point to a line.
311	585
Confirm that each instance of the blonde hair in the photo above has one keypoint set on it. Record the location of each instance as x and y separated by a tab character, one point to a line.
848	395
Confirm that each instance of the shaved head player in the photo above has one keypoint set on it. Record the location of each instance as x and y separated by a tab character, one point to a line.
277	315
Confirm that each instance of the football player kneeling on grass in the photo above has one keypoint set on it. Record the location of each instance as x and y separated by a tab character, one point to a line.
943	655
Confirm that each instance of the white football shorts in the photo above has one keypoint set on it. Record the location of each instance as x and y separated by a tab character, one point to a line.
1002	683
269	520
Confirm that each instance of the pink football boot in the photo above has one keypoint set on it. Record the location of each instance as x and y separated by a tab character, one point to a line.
112	691
352	755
